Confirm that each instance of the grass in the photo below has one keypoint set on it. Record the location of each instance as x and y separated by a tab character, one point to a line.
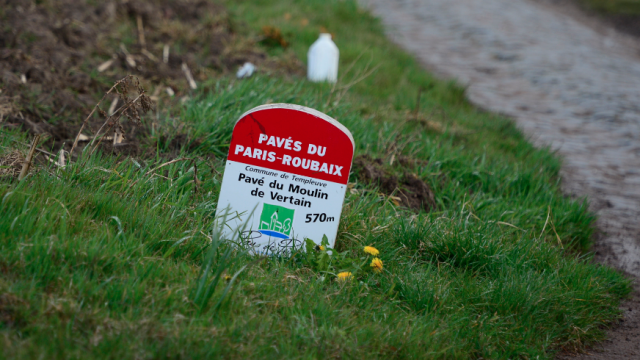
618	7
110	260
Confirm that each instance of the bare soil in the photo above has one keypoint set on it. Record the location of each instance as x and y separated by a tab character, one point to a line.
58	57
411	191
9	313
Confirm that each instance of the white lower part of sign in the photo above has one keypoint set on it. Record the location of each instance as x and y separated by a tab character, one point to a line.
273	211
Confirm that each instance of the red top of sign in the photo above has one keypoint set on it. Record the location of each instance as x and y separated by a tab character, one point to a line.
294	139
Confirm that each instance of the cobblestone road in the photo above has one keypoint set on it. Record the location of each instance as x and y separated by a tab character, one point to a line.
568	84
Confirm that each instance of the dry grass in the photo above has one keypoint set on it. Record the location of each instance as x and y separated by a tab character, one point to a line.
7	107
11	163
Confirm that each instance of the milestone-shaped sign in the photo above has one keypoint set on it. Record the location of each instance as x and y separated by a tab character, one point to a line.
285	178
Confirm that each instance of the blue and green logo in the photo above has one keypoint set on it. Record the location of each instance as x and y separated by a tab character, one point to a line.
276	221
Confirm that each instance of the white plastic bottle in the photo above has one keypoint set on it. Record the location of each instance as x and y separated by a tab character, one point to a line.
322	60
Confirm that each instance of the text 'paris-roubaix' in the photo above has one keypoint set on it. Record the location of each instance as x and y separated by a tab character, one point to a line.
295	161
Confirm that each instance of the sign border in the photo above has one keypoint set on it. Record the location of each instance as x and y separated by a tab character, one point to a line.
305	109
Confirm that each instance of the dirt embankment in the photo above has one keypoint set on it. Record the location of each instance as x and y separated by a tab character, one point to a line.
57	57
405	189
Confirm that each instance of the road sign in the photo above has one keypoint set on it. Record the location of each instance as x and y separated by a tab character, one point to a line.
285	178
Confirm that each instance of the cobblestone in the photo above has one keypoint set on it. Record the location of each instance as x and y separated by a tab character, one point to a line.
569	83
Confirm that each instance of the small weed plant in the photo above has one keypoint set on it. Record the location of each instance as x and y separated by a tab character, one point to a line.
340	266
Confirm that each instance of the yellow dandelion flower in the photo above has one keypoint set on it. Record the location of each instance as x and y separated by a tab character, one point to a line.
376	264
344	276
371	250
